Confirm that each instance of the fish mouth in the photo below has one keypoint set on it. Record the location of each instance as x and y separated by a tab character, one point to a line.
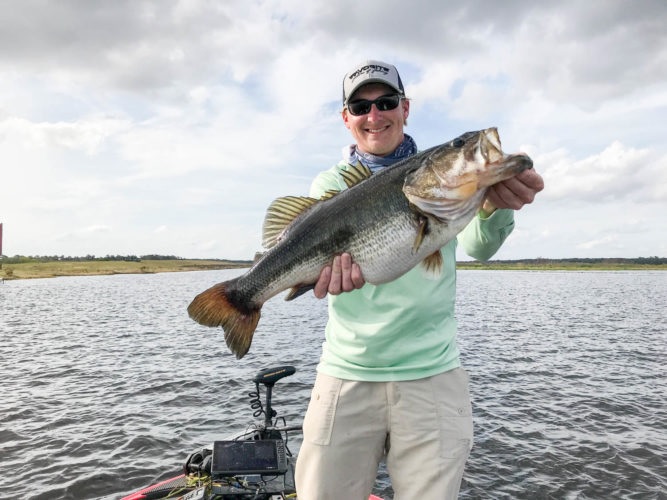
465	186
455	176
507	168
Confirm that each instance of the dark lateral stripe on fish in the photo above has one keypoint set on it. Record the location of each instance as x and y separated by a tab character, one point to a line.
389	222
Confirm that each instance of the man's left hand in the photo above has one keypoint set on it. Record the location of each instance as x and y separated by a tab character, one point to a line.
516	192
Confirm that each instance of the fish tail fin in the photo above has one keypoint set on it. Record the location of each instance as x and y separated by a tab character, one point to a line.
217	307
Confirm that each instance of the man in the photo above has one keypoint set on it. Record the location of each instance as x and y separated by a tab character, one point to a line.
389	382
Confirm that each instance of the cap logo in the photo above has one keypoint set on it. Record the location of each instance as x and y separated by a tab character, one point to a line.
369	69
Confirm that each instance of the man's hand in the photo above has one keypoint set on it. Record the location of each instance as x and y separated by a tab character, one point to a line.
514	193
342	275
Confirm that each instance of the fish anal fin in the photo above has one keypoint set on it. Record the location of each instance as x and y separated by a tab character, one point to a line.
280	214
433	264
214	307
298	291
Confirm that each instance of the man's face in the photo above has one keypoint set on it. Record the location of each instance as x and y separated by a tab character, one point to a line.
377	132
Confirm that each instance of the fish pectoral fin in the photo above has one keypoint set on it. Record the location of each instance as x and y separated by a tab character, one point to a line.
433	264
298	291
422	231
280	214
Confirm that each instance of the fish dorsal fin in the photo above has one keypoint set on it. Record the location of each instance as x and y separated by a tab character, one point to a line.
280	214
329	194
356	174
433	264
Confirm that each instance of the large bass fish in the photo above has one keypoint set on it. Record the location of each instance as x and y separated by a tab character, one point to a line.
389	222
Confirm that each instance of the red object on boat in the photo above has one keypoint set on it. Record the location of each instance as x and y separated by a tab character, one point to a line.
167	484
155	490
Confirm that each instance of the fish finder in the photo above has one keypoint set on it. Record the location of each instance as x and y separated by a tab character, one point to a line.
242	458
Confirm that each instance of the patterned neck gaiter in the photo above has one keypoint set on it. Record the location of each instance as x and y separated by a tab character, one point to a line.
407	148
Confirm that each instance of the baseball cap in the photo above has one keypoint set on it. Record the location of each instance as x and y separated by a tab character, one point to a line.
371	72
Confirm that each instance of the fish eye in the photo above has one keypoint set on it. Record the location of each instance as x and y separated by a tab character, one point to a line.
458	142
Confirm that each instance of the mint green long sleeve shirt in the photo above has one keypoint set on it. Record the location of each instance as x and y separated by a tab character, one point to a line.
405	329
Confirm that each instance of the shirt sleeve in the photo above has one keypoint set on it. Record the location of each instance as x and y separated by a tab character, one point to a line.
482	238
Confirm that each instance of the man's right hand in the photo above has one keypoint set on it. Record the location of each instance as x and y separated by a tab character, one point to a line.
342	275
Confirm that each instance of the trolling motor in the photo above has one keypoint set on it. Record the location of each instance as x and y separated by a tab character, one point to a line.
199	462
268	377
262	453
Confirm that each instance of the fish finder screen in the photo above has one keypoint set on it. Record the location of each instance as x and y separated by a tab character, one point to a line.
233	458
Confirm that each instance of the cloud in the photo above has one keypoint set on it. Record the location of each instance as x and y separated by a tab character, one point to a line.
86	135
617	173
602	242
175	123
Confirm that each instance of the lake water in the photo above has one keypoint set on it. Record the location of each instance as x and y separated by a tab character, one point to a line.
106	385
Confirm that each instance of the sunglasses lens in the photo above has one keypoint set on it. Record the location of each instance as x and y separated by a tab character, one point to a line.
361	107
387	103
384	103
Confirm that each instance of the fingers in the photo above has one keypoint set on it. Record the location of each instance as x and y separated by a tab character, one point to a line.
342	275
336	276
346	273
516	192
322	285
357	277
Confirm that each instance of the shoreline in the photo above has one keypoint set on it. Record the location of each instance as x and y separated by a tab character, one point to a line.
54	269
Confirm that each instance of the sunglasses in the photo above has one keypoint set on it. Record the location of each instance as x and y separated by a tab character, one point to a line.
382	103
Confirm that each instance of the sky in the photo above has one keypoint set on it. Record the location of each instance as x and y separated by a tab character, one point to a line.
167	127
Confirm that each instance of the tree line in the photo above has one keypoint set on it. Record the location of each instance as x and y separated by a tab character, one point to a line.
22	259
19	259
655	260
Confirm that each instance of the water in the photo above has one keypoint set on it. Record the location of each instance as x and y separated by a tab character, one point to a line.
106	385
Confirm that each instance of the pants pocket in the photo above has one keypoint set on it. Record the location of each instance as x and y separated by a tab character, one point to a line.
455	414
318	423
456	437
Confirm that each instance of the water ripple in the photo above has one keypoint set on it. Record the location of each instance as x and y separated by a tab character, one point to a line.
107	385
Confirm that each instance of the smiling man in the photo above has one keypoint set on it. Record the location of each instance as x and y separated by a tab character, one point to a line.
376	110
389	382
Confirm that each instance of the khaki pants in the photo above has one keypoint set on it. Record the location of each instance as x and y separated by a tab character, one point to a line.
423	427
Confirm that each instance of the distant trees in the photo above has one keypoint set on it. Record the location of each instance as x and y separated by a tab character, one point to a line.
594	260
21	259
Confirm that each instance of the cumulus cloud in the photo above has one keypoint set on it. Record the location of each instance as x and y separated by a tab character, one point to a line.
617	173
187	117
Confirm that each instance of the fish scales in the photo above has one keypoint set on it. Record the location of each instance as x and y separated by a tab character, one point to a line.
377	223
389	223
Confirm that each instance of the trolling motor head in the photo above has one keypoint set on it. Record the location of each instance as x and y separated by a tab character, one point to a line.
269	376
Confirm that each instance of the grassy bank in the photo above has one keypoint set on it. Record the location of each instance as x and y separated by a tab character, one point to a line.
98	267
